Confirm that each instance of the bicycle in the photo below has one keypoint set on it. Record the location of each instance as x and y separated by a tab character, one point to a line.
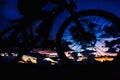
80	33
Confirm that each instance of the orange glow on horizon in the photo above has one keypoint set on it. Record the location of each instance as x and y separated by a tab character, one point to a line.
104	59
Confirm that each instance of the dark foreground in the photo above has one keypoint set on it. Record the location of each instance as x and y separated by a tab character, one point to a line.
74	72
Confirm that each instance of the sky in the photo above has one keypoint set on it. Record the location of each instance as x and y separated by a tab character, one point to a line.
9	11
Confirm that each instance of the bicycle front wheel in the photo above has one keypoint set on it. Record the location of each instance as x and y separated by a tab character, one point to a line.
101	43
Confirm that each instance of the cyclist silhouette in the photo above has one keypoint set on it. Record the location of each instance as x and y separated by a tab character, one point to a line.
32	11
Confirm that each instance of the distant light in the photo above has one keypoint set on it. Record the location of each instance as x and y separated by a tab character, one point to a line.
2	54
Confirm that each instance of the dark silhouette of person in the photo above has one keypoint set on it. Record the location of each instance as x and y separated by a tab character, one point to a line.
32	11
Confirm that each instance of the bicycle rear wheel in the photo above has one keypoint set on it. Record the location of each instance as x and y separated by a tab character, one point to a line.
102	44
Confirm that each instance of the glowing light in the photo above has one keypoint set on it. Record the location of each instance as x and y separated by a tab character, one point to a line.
102	59
51	60
2	54
27	58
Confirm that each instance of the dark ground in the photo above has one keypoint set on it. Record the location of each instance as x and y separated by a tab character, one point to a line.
74	72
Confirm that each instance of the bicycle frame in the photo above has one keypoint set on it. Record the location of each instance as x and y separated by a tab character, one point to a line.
56	12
